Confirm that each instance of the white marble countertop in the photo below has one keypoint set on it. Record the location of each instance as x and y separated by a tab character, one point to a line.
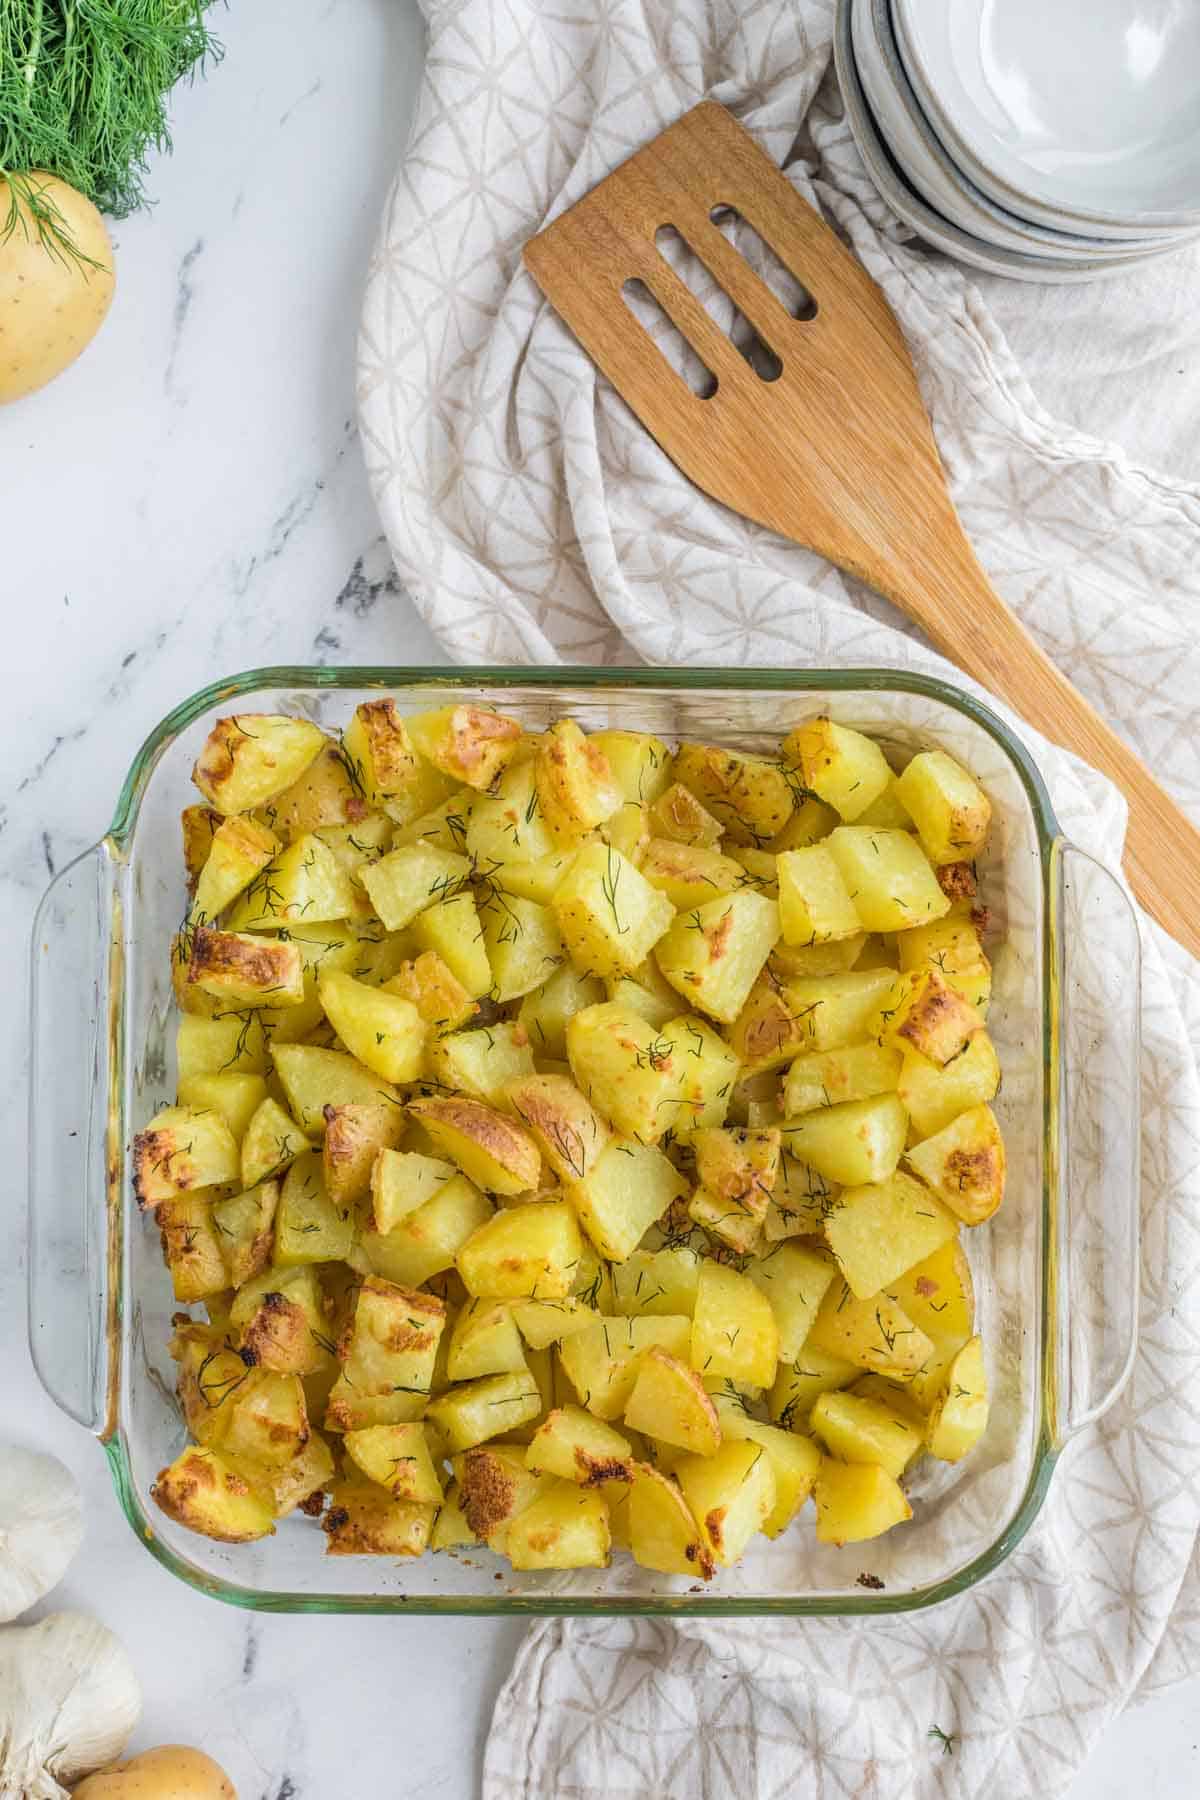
186	502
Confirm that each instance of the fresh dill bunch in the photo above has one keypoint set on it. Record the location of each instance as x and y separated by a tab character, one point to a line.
83	86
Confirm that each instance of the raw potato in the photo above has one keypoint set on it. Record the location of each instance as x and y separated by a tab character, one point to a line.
51	305
497	1242
172	1772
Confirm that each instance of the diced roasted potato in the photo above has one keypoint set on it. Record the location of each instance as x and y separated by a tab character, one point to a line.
799	1384
639	762
401	1181
378	753
879	1230
751	796
385	1033
245	971
888	877
538	880
389	1345
923	1012
483	1063
363	1520
240	847
234	1094
964	1164
738	1166
205	1493
268	1421
714	954
876	1333
856	1501
949	808
888	810
191	1246
790	962
707	1069
453	929
678	815
575	784
495	1488
601	1363
563	1123
625	1190
737	1230
811	821
860	1430
427	1239
182	1150
626	1069
354	1137
689	874
450	1528
663	1532
731	1494
436	992
801	1201
304	885
669	1402
656	1281
832	1077
960	1414
245	1226
934	1096
562	1529
471	744
573	1445
609	915
396	1457
249	757
485	1341
794	1458
938	1293
734	1331
842	767
198	826
506	826
544	1013
626	831
282	1322
323	796
402	884
523	1252
309	1228
545	1322
478	1410
489	1146
795	1279
314	1078
814	903
521	940
859	1141
309	1472
784	1019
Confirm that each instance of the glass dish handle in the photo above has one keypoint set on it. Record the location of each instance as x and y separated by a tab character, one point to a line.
1098	1212
75	985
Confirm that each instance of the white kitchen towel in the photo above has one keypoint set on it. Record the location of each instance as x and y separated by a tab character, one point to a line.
532	518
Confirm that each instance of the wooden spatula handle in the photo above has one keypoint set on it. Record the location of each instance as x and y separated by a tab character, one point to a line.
973	626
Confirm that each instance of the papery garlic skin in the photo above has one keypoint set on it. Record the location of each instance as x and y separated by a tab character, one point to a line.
69	1701
41	1526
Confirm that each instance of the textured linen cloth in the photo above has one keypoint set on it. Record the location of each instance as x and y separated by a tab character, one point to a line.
533	519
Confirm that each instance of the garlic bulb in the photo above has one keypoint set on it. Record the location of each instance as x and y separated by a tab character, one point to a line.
69	1700
41	1526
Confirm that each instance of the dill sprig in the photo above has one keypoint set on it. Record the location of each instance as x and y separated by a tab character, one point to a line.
83	85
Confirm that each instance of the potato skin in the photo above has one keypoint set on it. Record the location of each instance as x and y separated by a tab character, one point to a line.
172	1772
51	306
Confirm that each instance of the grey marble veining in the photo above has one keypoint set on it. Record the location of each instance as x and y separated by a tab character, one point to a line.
187	502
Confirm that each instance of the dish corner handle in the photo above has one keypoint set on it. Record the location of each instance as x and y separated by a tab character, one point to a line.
1097	1236
75	983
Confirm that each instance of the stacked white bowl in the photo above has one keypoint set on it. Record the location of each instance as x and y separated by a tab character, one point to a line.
1049	140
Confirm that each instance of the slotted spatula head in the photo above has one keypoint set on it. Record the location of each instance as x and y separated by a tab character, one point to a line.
837	450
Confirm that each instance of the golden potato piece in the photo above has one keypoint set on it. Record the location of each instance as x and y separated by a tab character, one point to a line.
247	758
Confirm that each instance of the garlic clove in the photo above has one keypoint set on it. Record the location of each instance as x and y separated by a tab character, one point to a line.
69	1701
41	1526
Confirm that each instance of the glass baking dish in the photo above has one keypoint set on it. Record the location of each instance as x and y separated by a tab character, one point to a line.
1055	1270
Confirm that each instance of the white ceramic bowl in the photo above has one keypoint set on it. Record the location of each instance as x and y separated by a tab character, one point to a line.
930	170
929	224
1083	112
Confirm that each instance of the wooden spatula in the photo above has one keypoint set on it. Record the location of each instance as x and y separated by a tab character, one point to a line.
837	451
